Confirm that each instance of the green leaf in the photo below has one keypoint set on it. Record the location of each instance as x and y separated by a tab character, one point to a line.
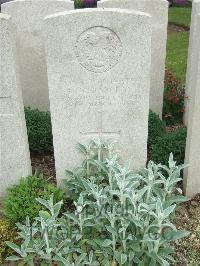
59	258
175	199
14	247
82	148
43	202
169	210
106	243
111	230
176	235
121	257
13	258
80	258
44	214
131	255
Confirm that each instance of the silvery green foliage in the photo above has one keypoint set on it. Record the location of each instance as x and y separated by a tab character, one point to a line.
47	240
120	217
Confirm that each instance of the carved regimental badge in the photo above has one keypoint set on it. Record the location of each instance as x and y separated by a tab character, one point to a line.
98	49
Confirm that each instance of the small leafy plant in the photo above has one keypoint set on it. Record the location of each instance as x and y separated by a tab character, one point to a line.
47	240
120	217
20	201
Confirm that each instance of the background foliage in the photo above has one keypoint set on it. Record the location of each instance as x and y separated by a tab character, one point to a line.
156	127
39	130
173	142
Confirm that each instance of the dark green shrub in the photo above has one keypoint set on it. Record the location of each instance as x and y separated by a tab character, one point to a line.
170	142
39	130
20	201
79	4
85	4
156	127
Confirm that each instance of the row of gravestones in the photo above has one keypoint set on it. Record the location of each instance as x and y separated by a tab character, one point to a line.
28	17
97	67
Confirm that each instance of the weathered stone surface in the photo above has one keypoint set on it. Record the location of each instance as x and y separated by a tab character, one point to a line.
14	152
192	55
99	80
28	17
158	9
192	155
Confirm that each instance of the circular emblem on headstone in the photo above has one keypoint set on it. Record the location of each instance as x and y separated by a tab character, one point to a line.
98	49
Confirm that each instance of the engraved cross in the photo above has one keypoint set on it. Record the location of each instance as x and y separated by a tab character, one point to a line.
101	133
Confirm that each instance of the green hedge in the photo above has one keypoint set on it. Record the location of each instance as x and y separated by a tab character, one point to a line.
160	143
39	130
170	142
156	127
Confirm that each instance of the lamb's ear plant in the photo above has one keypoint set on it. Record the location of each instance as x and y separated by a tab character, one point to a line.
120	217
132	210
48	240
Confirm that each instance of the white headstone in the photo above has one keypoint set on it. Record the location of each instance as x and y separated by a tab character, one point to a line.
192	54
28	17
158	9
14	152
192	155
99	79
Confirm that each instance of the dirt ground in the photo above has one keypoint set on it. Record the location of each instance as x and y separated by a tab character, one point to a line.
177	28
188	218
43	163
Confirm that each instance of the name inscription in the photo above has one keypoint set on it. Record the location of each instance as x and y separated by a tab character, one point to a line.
116	93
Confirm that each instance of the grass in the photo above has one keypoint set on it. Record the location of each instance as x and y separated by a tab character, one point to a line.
180	15
177	50
177	44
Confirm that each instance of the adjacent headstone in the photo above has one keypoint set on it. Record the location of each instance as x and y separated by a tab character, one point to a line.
28	17
192	155
192	54
158	9
14	151
99	80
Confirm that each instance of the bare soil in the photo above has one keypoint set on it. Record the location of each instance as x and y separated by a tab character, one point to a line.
188	218
44	163
174	128
177	28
